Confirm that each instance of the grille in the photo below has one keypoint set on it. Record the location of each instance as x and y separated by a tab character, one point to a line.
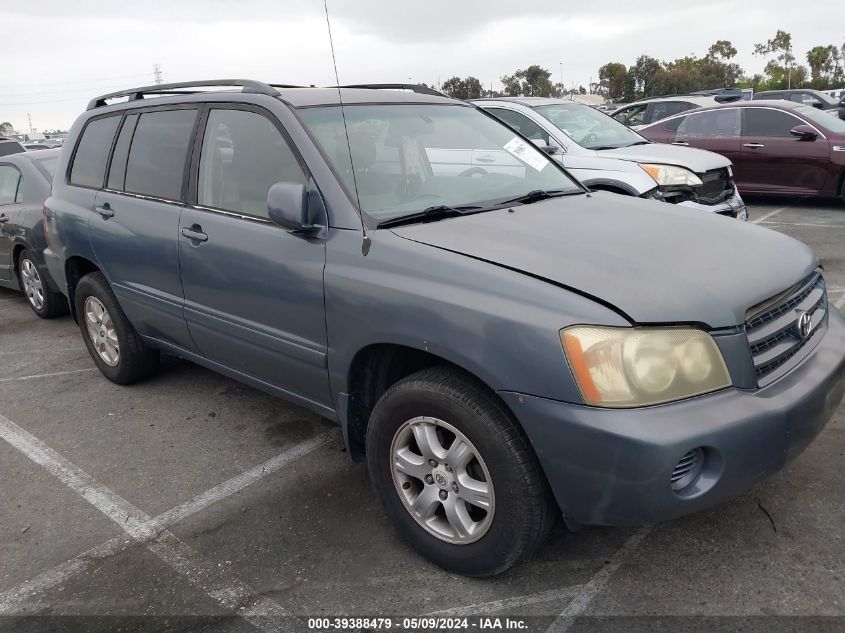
717	186
687	469
773	329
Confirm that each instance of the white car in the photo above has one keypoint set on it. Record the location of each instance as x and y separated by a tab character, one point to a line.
606	155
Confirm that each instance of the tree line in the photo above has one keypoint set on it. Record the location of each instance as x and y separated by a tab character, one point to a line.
650	77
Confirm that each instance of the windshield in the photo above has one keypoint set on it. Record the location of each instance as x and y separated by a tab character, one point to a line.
822	118
409	157
588	127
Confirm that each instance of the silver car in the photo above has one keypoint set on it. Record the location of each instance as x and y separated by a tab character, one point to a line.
606	155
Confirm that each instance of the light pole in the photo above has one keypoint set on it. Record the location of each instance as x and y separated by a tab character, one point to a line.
561	79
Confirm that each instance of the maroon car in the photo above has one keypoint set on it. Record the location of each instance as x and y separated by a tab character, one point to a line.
777	147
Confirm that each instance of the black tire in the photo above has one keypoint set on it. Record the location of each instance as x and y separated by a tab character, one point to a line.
53	304
524	511
136	361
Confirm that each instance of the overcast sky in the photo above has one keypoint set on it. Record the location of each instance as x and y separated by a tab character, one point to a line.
57	54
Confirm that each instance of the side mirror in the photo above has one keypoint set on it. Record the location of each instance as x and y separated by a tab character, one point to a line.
287	206
549	147
804	132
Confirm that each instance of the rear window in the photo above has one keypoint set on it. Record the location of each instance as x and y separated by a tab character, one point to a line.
92	153
10	147
156	163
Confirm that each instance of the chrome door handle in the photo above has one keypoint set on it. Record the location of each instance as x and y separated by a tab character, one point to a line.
3	219
753	145
485	159
105	210
195	233
684	143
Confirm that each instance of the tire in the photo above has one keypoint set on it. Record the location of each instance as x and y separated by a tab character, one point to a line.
521	507
132	361
842	190
43	301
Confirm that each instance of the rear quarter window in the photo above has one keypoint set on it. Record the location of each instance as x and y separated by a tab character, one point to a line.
92	152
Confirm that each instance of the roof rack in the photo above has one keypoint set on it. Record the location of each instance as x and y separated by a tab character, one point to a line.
134	94
419	89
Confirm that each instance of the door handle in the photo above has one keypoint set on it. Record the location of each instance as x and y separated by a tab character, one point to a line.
684	143
753	145
485	159
105	210
195	233
3	219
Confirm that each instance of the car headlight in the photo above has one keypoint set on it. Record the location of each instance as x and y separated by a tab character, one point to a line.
671	175
636	367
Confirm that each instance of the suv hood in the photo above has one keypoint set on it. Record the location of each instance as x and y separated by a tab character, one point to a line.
654	262
698	160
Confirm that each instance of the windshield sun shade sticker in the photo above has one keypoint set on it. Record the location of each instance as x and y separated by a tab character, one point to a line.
527	153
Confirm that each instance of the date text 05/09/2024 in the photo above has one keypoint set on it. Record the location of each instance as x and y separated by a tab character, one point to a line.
417	624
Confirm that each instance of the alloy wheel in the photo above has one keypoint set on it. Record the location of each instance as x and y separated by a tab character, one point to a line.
101	331
32	286
442	480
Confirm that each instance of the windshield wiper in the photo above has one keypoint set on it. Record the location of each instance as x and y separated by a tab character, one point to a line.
639	143
430	214
539	194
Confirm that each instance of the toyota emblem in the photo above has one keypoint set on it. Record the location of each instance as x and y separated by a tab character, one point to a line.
805	324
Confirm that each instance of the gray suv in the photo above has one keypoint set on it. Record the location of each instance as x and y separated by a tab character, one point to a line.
498	346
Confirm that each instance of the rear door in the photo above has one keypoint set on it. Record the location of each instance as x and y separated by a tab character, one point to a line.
775	161
10	198
134	232
716	130
253	291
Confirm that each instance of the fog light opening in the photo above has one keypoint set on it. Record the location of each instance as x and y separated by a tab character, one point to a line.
687	469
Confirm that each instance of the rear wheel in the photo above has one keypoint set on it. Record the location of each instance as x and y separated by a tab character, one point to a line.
113	343
43	301
456	475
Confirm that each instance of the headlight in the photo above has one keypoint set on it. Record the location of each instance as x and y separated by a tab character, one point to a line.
636	367
670	175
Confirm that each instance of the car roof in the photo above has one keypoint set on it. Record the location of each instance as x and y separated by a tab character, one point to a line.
702	99
306	97
529	101
31	156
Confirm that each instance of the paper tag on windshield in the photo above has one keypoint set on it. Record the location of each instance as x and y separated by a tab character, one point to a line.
526	153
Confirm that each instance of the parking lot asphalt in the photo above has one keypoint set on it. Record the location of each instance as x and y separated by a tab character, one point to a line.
192	502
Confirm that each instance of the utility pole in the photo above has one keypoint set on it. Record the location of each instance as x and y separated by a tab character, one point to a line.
29	121
157	73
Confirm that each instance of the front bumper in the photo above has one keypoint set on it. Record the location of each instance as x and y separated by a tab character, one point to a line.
613	467
733	207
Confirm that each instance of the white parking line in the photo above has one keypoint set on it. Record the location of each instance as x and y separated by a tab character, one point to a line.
216	581
813	224
50	375
768	215
36	352
596	584
840	302
495	606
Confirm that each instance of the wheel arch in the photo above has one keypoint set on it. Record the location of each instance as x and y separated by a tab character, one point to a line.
373	370
613	186
76	267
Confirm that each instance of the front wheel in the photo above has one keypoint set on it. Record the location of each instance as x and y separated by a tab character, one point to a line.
115	346
43	301
456	475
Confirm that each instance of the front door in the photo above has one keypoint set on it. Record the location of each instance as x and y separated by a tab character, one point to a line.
10	191
253	291
135	229
775	161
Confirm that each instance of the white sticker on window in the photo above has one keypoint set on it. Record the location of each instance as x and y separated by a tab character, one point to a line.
526	153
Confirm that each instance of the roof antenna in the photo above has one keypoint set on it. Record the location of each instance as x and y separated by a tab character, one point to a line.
365	245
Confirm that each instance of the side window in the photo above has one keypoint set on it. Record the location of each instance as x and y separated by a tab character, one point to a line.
718	123
672	125
664	109
117	171
635	115
92	153
767	122
243	155
10	185
156	162
520	123
806	98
